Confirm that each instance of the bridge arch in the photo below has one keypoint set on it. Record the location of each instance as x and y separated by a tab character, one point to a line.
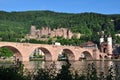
86	55
47	53
70	54
17	54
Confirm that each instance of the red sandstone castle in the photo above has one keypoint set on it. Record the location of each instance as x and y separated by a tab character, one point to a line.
47	32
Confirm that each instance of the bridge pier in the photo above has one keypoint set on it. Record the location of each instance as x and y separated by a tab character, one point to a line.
25	58
96	55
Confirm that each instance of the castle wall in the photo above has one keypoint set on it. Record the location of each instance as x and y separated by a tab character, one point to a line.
62	32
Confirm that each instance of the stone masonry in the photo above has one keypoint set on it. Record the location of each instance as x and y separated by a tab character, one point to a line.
47	32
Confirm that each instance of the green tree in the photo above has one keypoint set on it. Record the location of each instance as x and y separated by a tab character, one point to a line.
5	52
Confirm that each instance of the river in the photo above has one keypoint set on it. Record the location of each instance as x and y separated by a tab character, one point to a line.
80	66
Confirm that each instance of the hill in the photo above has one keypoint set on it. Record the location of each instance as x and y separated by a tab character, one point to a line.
15	25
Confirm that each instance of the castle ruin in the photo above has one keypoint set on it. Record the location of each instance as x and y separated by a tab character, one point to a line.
47	32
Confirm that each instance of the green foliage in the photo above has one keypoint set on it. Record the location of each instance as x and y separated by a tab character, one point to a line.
42	74
35	41
8	73
74	41
12	73
35	55
92	73
5	52
15	25
40	56
117	39
65	73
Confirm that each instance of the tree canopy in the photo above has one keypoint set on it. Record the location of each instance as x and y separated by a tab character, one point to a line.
5	52
14	25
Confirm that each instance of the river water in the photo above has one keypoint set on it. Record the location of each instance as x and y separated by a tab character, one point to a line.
80	66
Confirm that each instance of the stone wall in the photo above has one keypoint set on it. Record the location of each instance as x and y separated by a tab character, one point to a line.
47	32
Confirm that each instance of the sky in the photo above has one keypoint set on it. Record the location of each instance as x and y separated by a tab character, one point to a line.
67	6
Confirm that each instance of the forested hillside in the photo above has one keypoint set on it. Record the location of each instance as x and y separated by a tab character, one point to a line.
15	25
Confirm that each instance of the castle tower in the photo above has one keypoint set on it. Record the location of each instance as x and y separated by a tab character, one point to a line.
33	31
101	39
109	41
102	44
69	34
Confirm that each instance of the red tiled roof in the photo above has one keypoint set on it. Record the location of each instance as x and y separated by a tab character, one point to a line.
87	43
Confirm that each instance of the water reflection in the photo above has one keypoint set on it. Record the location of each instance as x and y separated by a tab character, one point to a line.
81	66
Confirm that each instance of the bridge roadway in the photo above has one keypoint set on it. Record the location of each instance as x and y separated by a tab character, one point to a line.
23	51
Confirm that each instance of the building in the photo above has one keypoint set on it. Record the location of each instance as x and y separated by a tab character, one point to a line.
46	32
89	45
106	46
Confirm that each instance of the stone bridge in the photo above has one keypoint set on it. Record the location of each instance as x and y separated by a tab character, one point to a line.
24	50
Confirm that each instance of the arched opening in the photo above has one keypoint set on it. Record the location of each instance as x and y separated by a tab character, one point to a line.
66	54
104	50
41	54
10	53
106	57
85	55
103	56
